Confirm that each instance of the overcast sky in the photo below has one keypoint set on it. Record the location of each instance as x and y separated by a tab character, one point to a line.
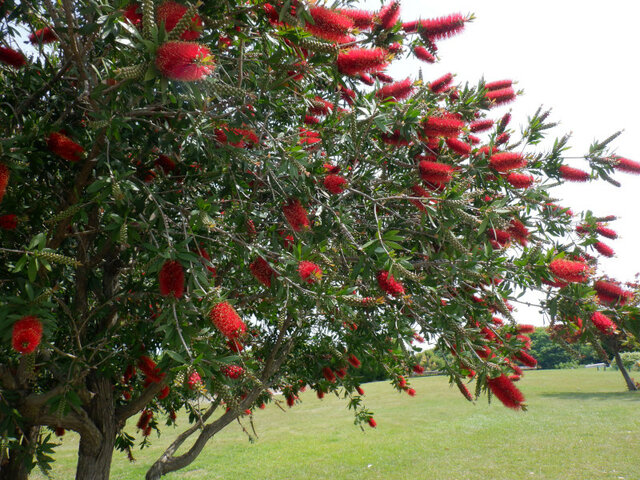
577	57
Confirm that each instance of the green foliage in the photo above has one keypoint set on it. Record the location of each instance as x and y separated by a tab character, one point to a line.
551	355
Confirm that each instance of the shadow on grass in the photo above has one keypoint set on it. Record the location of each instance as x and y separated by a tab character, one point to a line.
631	396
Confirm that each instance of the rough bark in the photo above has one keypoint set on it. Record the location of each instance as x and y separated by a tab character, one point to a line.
94	462
630	383
15	467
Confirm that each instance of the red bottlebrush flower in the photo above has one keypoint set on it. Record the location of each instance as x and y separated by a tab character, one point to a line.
232	371
481	125
320	106
502	138
389	14
458	146
526	359
172	415
394	139
235	346
328	374
341	372
464	390
439	28
434	172
9	222
504	121
59	431
442	127
362	19
497	321
205	255
12	57
441	84
335	184
372	423
604	249
171	12
347	95
389	284
329	168
43	36
359	390
164	393
227	320
171	279
606	232
500	97
184	61
133	13
418	338
330	25
166	164
320	393
309	271
611	293
402	382
603	323
129	373
518	231
361	60
395	48
262	406
573	174
311	120
26	334
396	91
194	380
626	165
423	54
569	270
262	272
418	369
354	361
296	215
411	392
520	180
498	85
4	179
366	79
506	392
500	236
505	161
64	147
145	418
147	365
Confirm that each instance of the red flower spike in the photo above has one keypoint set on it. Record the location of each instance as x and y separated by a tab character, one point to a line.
441	84
569	270
498	85
500	236
526	359
506	392
402	382
9	222
359	390
481	125
147	365
520	180
573	174
500	97
442	127
133	13
232	371
354	361
606	232
396	91
171	13
389	284
296	215
505	161
423	54
389	14
604	249
4	179
320	394
262	272
334	184
361	60
309	271
458	146
626	165
26	334
184	61
194	380
383	77
143	421
227	320
171	279
320	106
166	164
395	48
518	231
341	372
164	393
44	35
64	147
434	172
12	57
366	79
411	392
372	423
502	138
311	120
418	369
464	390
437	28
603	323
362	19
328	374
330	25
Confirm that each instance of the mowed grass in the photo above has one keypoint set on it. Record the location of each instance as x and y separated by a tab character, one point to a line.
581	425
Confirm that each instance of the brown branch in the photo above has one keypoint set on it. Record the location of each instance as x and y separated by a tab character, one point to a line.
134	406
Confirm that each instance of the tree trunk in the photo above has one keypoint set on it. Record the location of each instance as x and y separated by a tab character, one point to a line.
630	383
15	467
94	457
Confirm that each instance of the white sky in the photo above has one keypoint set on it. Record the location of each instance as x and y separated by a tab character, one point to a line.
578	57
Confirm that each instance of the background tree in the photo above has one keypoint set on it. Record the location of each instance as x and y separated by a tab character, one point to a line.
204	202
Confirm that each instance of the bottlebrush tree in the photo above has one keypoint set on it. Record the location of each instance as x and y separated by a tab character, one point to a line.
206	203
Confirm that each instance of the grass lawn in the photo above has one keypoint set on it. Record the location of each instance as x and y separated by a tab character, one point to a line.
581	425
